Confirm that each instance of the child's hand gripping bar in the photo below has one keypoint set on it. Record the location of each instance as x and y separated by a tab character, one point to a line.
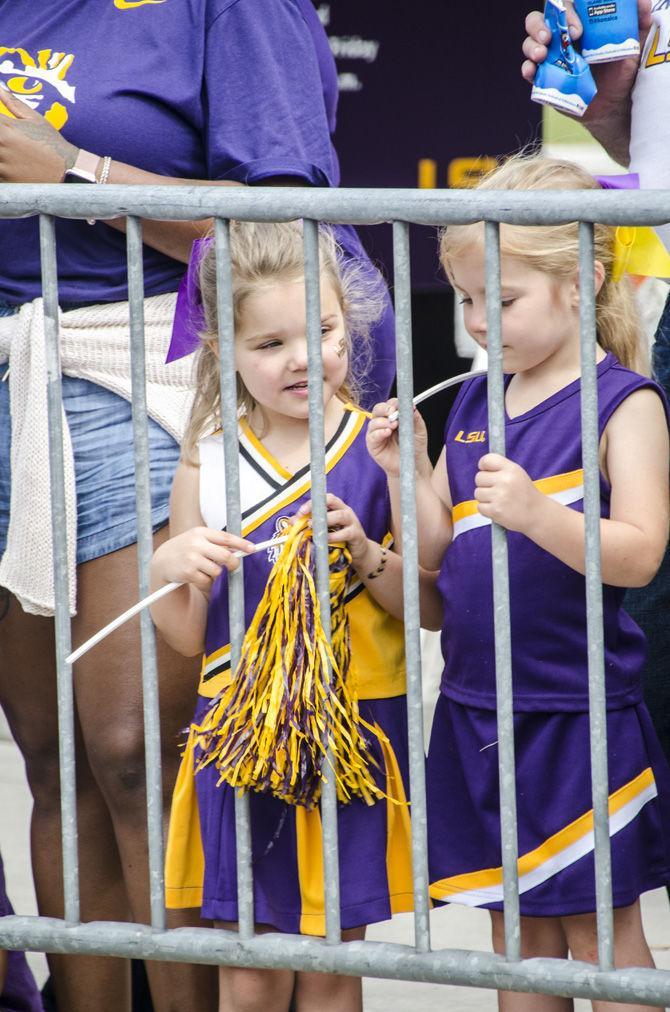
147	601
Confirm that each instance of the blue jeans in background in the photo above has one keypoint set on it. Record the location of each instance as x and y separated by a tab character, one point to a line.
101	431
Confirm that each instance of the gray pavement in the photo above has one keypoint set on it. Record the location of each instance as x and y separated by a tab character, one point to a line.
455	927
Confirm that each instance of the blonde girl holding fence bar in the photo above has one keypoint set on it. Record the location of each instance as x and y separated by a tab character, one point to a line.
271	361
536	493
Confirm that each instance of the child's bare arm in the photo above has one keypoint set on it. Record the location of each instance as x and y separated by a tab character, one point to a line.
386	587
194	556
635	460
431	605
379	568
608	117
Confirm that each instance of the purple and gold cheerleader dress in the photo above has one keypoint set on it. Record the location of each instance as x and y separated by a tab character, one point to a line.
374	841
550	684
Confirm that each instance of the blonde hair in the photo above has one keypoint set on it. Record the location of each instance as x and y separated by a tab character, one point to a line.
263	253
554	249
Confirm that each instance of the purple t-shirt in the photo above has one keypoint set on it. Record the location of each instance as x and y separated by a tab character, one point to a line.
547	598
203	89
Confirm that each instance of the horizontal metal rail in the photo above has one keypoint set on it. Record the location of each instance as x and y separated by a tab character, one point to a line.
367	959
356	207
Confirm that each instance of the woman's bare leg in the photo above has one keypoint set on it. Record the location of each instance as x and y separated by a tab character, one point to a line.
28	696
110	779
3	969
109	702
540	936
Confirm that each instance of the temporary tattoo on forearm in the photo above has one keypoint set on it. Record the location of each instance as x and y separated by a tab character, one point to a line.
45	135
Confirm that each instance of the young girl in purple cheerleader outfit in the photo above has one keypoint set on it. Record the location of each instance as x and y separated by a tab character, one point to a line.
536	493
271	362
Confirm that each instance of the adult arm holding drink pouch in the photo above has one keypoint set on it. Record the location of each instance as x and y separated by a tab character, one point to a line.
608	117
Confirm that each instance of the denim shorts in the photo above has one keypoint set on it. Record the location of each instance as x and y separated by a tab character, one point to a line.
101	431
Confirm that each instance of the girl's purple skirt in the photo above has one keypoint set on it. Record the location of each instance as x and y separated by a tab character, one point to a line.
554	809
374	845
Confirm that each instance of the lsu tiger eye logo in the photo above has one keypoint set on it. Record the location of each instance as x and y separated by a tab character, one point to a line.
41	82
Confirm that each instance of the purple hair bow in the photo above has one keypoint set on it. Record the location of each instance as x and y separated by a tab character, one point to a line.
189	316
625	181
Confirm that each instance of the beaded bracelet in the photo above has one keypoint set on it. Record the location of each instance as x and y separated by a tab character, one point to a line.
380	568
104	175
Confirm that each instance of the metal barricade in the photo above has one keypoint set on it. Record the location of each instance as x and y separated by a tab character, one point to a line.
374	959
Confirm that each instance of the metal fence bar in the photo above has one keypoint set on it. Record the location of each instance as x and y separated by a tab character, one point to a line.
560	977
354	206
151	708
66	747
594	600
317	443
368	959
501	611
231	456
410	561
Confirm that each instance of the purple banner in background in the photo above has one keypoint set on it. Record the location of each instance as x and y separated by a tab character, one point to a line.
426	90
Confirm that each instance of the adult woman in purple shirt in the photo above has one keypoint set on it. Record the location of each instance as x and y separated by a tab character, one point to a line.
225	91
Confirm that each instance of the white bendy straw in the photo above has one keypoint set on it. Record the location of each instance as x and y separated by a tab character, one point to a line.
444	385
151	599
158	594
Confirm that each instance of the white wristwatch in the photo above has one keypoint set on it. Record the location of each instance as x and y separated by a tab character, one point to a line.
84	168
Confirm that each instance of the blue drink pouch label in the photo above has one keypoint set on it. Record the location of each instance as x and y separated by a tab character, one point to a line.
610	29
564	79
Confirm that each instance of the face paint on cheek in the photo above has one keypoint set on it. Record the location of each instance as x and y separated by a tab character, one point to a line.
341	349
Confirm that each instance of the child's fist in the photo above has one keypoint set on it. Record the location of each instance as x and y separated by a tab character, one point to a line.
343	526
198	556
505	493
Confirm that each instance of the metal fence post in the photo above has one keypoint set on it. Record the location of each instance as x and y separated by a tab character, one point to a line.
228	382
151	708
60	559
594	599
501	611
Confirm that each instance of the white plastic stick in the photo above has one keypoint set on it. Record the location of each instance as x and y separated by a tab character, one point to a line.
444	385
151	599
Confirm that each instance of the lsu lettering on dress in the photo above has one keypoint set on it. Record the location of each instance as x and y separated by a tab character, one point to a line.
374	841
550	685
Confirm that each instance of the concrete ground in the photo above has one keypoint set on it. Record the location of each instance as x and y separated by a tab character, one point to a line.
455	927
